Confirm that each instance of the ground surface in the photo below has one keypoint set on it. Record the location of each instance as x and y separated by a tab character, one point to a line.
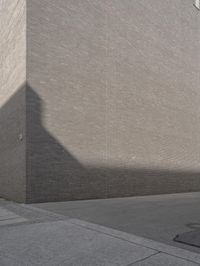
159	218
82	233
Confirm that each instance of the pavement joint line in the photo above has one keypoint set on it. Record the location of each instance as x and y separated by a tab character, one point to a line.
33	214
4	212
13	223
112	235
133	239
172	251
183	258
12	218
152	255
29	207
159	252
7	214
126	236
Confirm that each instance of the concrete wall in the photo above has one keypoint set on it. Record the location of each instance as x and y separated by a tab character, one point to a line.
117	91
112	103
12	99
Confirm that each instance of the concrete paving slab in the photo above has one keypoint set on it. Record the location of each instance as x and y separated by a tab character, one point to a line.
78	243
7	217
29	212
4	212
5	261
159	217
163	260
13	221
64	243
144	242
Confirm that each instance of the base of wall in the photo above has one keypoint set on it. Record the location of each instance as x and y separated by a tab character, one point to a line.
110	183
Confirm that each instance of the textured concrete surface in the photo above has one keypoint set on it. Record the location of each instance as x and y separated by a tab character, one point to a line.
8	217
62	243
76	242
116	88
160	247
163	259
159	218
12	99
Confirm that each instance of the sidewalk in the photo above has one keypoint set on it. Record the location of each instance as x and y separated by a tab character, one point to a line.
158	217
32	236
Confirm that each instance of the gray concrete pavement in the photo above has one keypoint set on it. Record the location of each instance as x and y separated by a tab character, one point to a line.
63	243
8	217
163	259
159	217
46	238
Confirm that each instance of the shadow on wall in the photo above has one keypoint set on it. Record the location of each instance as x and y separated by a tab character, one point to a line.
12	147
53	174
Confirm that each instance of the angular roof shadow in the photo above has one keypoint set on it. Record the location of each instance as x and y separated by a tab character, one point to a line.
59	176
54	174
12	147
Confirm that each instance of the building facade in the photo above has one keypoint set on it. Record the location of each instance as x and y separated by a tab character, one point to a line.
98	98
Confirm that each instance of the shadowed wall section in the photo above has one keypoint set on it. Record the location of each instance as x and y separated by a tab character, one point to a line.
12	99
12	148
112	102
119	83
54	174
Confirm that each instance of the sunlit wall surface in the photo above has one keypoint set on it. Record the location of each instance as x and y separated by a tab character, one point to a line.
112	98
